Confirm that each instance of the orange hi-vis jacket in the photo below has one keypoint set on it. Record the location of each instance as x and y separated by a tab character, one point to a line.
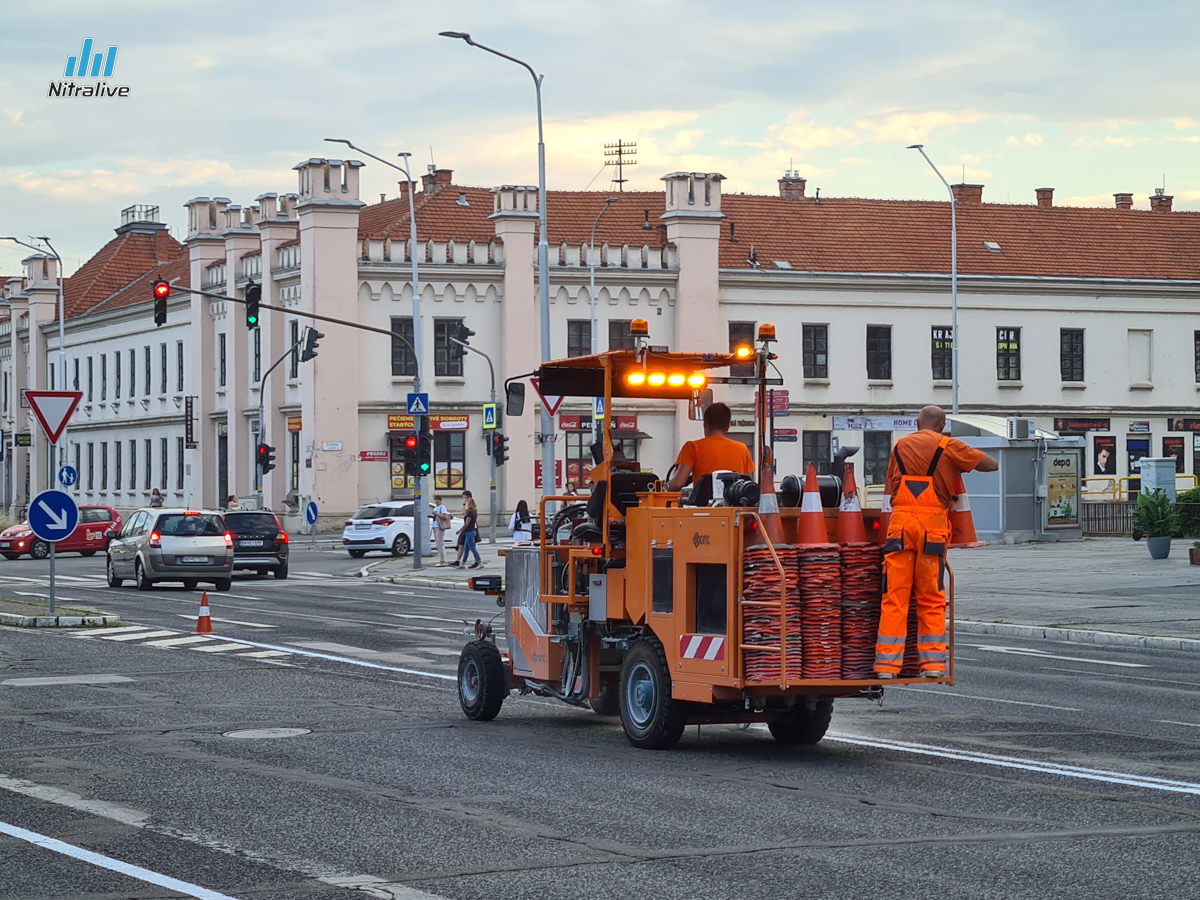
917	536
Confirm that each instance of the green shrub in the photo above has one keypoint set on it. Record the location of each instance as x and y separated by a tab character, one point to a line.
1155	515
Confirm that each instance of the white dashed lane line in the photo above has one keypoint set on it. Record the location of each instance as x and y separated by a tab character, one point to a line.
141	636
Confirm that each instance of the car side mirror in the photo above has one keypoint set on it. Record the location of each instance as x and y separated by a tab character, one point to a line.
514	398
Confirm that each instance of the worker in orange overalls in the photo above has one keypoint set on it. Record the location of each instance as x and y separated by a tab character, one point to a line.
920	481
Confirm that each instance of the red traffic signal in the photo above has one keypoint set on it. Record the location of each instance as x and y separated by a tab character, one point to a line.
410	442
161	289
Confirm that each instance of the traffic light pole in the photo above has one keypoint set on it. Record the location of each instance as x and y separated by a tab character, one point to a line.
262	423
491	456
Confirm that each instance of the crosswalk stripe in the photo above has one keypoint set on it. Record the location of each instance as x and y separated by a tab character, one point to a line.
176	642
136	637
219	648
109	631
264	654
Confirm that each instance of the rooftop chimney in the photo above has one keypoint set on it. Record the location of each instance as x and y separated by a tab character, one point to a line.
1160	202
968	193
436	178
1045	197
791	185
1124	201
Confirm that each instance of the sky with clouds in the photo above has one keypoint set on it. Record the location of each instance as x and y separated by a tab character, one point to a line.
1089	98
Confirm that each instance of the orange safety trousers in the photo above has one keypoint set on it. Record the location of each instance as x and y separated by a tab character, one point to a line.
914	557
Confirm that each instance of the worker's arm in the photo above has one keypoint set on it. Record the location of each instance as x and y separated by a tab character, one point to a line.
987	464
682	473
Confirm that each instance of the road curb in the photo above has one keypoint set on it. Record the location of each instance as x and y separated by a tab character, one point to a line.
440	583
1078	636
20	621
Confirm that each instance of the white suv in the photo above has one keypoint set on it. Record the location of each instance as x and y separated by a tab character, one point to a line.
387	527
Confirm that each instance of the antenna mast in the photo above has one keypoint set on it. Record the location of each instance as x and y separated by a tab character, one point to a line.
620	154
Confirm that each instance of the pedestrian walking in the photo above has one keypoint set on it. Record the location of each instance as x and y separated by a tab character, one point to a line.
470	530
156	499
521	523
441	524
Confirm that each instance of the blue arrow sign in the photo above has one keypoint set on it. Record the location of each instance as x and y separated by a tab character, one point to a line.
418	404
67	476
310	513
53	515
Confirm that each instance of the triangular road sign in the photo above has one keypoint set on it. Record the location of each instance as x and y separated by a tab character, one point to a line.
53	410
552	402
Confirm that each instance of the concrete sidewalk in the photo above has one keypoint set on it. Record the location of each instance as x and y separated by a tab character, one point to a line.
1100	590
401	571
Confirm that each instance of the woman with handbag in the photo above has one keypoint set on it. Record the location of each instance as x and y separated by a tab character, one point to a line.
521	523
441	524
470	531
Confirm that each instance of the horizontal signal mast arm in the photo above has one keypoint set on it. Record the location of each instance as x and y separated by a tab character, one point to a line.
296	312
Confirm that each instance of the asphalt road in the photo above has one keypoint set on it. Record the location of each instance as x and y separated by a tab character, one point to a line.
1049	770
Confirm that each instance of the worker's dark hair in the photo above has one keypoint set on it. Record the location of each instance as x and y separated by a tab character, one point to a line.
717	417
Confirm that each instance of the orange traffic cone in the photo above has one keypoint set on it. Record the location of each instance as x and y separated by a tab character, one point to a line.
962	525
768	505
812	515
851	529
885	518
203	622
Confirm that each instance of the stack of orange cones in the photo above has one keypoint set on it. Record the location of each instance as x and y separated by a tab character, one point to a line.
851	529
812	516
768	505
203	621
962	525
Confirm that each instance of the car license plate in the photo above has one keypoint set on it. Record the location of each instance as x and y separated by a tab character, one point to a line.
250	543
5	544
362	526
195	559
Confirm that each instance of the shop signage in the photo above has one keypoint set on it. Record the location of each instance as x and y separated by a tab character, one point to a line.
1173	446
403	422
584	423
24	440
1183	424
537	474
332	446
189	423
294	423
1062	488
874	423
372	456
1142	427
1076	425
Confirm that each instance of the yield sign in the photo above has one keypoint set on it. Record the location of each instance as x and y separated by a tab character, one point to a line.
53	409
552	402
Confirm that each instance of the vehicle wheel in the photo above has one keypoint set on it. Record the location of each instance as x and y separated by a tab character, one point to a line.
481	681
357	554
113	580
139	577
87	552
190	584
39	550
609	701
223	584
803	726
401	545
653	719
12	555
281	572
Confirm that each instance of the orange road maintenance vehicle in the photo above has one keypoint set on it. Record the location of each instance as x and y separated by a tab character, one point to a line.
667	614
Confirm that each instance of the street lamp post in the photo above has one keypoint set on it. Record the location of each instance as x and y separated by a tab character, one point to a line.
546	436
920	148
62	341
418	510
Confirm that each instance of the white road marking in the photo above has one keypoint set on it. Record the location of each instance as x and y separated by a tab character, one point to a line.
48	680
123	814
403	593
429	618
265	654
219	648
180	641
136	637
330	647
1120	675
113	865
346	659
436	651
316	574
1164	721
956	694
229	621
1029	765
109	631
1041	654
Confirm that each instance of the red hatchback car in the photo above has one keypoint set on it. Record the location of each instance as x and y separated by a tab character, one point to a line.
97	524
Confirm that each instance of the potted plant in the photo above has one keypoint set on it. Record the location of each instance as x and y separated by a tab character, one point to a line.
1194	553
1155	517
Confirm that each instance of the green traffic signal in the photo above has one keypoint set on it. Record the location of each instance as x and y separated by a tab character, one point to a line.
253	298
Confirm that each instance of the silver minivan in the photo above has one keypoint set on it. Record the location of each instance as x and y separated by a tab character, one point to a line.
172	545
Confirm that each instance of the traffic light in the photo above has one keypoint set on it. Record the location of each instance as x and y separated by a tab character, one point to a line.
162	290
266	458
310	344
464	336
499	448
425	450
412	446
253	298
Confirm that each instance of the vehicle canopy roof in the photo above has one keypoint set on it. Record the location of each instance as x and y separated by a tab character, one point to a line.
583	376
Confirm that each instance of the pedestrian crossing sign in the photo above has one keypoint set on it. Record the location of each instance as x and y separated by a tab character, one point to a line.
489	415
418	404
599	408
